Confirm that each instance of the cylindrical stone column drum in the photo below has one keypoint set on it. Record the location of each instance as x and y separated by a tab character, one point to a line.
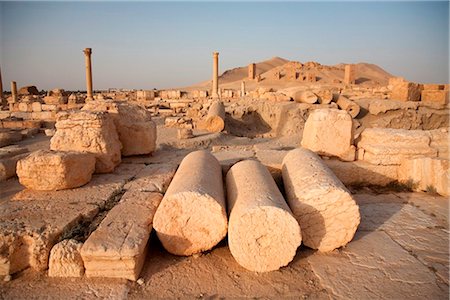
192	216
263	235
324	208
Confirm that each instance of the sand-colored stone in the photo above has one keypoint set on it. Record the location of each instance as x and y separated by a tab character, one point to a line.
386	146
228	157
348	105
88	65
329	132
325	209
362	173
304	97
324	96
215	120
192	216
263	235
251	71
184	133
65	260
117	248
406	91
14	95
47	170
154	177
379	106
92	132
349	74
27	238
8	166
439	97
439	140
215	79
426	174
137	131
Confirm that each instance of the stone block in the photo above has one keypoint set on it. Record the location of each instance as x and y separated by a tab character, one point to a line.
91	132
65	260
329	132
426	174
439	97
117	248
386	146
137	131
51	171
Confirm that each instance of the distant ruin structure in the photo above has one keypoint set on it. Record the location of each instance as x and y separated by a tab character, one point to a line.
251	71
349	75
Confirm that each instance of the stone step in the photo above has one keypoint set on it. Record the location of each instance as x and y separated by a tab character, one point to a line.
117	248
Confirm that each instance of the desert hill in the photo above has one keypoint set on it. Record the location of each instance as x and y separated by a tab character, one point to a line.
274	73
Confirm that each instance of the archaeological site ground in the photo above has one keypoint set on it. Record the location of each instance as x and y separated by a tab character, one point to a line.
278	179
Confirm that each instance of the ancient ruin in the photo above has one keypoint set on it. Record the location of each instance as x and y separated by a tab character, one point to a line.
275	179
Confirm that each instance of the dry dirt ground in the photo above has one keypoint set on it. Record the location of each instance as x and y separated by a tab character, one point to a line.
400	251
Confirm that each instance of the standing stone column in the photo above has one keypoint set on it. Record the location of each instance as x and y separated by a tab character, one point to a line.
1	89
14	91
215	82
87	54
251	71
349	75
243	89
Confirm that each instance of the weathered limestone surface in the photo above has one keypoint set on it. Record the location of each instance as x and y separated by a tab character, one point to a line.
117	248
263	234
227	158
215	120
439	140
324	208
304	97
8	166
27	238
153	178
362	173
92	132
348	105
386	146
406	91
47	170
426	174
324	96
65	259
439	97
329	132
378	106
384	270
137	131
192	216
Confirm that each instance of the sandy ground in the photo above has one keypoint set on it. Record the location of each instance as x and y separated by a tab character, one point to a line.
400	251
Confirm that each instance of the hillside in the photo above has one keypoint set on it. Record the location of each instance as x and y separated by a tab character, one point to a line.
366	75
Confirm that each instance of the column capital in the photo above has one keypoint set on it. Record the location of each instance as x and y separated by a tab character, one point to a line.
87	51
215	53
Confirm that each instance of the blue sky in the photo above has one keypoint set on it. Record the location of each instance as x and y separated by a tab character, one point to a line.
159	45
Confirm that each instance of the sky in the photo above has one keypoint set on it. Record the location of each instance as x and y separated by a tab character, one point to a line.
145	45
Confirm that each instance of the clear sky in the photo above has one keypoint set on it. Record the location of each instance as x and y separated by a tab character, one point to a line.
148	45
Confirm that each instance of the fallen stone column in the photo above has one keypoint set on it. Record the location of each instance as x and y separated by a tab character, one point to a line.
192	216
304	97
263	235
117	248
346	104
324	208
324	96
215	120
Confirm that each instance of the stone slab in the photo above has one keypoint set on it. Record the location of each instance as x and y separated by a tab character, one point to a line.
27	238
153	178
117	248
373	266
